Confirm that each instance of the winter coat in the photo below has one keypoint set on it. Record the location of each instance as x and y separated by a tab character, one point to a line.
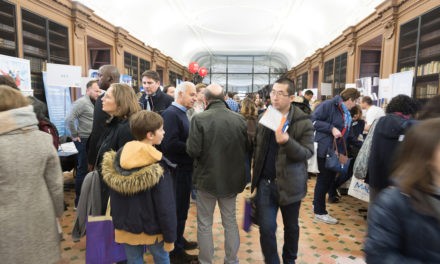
161	101
291	159
327	115
31	190
387	136
218	144
399	232
117	134
98	129
141	195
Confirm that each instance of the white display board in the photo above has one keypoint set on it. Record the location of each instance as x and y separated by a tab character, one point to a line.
402	83
326	89
63	75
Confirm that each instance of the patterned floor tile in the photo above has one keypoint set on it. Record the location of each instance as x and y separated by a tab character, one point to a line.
319	242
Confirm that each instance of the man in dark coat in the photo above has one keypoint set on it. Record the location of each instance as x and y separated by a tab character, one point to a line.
107	75
152	98
218	144
280	173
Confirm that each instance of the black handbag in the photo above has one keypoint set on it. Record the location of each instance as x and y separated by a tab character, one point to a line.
336	161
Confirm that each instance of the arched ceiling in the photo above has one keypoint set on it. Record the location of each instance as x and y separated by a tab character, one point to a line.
187	29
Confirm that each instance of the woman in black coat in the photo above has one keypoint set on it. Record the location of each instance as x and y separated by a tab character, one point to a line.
120	102
390	131
404	221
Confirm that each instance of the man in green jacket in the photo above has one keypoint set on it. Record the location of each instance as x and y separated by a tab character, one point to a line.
217	142
280	173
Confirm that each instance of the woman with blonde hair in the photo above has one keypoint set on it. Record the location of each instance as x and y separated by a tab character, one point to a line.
31	189
120	102
404	221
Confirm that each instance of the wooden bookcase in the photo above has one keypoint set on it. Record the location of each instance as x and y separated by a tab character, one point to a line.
8	29
335	72
370	63
131	67
419	50
143	66
301	82
99	57
43	41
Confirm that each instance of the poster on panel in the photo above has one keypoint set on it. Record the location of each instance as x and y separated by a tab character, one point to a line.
62	85
19	70
63	75
402	83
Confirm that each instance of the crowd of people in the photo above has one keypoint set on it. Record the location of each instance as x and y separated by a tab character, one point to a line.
150	151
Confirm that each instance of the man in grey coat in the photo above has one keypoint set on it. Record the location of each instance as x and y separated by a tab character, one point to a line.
280	173
218	144
80	122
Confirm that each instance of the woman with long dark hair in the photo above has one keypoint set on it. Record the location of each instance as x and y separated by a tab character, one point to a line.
404	221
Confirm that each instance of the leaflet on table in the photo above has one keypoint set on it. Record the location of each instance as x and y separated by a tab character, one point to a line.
274	120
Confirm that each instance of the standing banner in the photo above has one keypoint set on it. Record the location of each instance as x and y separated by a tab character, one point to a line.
19	70
58	104
60	81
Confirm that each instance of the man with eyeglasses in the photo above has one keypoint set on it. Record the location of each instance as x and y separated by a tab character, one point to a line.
153	99
280	173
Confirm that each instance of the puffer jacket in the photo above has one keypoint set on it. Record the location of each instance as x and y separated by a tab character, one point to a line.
141	191
398	232
291	160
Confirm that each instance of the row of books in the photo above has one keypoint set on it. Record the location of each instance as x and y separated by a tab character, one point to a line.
427	90
428	68
425	69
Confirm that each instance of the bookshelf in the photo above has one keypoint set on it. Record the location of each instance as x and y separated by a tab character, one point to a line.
99	57
301	82
43	41
419	51
8	35
370	63
340	73
131	67
335	72
143	66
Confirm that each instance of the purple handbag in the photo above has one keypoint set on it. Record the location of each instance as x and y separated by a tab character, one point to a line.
101	247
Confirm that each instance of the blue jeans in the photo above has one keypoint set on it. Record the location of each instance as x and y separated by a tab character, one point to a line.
183	183
81	166
267	208
324	181
135	253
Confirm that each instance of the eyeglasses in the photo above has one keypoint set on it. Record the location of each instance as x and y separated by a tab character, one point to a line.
277	93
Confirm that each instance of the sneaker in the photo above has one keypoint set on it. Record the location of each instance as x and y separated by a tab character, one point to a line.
326	219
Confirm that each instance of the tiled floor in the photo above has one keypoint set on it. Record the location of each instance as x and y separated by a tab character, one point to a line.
319	242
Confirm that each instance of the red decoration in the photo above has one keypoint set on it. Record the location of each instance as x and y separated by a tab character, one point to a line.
193	67
203	71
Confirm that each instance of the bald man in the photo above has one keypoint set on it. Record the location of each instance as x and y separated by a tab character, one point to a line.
217	142
107	74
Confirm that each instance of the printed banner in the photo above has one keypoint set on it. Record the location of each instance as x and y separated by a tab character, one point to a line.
19	70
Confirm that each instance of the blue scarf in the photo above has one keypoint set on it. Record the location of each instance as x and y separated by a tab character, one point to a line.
347	118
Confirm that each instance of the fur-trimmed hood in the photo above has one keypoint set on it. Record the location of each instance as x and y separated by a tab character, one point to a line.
129	181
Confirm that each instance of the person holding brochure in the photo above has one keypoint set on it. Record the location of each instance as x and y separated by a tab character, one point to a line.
280	170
